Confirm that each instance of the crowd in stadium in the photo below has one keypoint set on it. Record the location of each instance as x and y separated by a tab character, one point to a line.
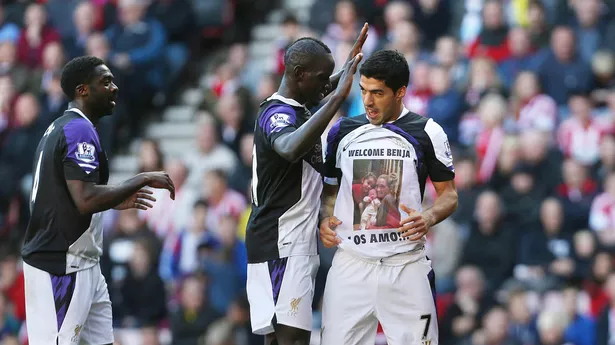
525	90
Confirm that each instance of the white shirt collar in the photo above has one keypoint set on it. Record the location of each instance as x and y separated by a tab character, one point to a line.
288	101
81	114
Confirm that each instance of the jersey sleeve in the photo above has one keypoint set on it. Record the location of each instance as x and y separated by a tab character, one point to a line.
81	160
277	120
439	157
331	171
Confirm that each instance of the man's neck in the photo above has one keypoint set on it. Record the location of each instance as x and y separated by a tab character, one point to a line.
288	91
397	111
79	105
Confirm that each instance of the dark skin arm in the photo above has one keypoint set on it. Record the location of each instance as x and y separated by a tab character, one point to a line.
92	198
417	224
328	237
293	146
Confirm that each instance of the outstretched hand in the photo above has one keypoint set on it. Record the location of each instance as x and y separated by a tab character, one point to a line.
139	200
358	44
160	180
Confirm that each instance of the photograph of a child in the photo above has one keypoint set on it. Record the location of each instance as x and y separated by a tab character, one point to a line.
375	192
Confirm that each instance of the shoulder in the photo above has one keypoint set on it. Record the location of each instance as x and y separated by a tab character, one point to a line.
276	113
79	129
345	125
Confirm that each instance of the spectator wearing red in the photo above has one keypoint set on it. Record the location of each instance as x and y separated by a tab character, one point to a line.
533	109
492	42
418	94
12	283
579	136
35	36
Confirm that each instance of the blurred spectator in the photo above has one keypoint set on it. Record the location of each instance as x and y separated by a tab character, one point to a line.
346	28
143	293
446	105
446	244
9	32
418	92
603	68
76	42
53	61
406	40
562	72
584	250
595	287
168	216
492	42
482	79
491	112
551	327
395	12
233	122
544	160
19	145
209	153
180	255
467	189
494	329
579	136
447	54
521	321
12	283
606	164
8	325
98	45
194	315
605	329
225	265
589	27
581	330
577	192
234	328
57	10
470	304
531	108
137	53
546	253
150	156
7	100
602	214
53	100
291	30
538	25
222	200
433	17
9	65
239	178
36	35
521	57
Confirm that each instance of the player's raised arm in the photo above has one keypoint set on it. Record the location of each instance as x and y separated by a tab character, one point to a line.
294	145
356	49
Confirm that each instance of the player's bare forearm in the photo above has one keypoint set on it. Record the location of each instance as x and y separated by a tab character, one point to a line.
92	198
327	200
293	146
444	205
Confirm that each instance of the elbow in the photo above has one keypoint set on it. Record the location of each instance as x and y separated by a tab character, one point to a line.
83	208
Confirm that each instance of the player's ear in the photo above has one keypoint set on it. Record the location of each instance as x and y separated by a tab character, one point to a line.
298	72
401	92
82	90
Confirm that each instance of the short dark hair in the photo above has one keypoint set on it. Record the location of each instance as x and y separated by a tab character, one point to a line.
389	66
77	71
303	51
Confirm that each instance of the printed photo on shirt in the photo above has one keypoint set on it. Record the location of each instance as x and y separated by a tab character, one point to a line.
375	191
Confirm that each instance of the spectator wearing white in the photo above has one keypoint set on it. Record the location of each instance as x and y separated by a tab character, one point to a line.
532	108
602	214
579	136
208	153
551	327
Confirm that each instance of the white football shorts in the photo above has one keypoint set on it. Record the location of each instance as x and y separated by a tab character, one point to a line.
398	292
281	292
73	309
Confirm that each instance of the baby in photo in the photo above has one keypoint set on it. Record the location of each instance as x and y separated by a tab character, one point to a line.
370	210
